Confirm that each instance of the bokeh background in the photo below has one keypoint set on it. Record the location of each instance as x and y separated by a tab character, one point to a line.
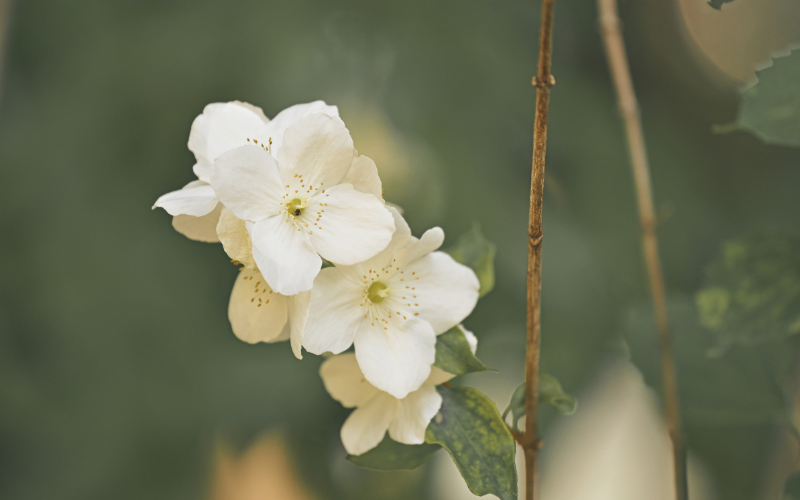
119	374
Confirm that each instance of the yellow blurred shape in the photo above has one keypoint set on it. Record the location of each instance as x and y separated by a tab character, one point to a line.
263	472
743	35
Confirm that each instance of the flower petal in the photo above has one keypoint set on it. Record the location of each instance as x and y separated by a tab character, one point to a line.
199	228
247	182
298	317
344	381
414	413
224	126
319	148
430	241
445	290
367	425
363	175
334	314
400	238
396	358
232	232
353	226
284	255
291	115
195	200
438	376
257	314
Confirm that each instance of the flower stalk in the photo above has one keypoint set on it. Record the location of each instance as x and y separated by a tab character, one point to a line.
543	81
623	83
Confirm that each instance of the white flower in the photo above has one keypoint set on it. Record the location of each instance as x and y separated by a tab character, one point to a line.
392	307
376	411
305	204
222	127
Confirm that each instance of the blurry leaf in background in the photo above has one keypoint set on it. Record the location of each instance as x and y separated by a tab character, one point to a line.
391	455
454	353
717	4
739	393
752	292
770	108
550	392
476	252
471	430
792	489
263	471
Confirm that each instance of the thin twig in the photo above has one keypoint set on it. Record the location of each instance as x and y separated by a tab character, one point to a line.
620	72
543	81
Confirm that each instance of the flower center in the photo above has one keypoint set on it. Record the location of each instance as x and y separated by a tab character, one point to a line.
377	292
295	207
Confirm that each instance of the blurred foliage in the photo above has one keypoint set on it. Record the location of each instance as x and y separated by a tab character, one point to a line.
770	108
792	488
752	292
740	390
118	369
454	354
717	4
476	252
550	393
469	427
391	455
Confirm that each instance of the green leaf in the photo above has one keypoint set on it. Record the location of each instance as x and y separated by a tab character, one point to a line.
476	252
550	392
470	429
717	4
391	455
454	354
752	292
770	109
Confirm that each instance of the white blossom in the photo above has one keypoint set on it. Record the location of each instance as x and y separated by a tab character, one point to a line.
391	307
315	199
222	127
376	411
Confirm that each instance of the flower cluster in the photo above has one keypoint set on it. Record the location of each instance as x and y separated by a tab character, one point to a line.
283	195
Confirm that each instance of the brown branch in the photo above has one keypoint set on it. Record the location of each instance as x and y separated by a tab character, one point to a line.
543	81
620	72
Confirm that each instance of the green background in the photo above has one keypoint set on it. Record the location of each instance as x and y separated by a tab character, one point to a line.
118	368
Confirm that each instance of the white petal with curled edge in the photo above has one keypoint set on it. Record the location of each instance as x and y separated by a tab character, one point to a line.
199	228
400	238
352	227
414	413
232	233
224	126
257	314
363	175
247	182
284	255
472	340
397	357
430	241
291	115
335	313
446	291
286	333
298	317
365	427
319	148
196	201
344	381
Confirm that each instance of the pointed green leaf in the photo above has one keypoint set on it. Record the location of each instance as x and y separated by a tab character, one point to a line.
454	354
550	392
471	430
477	253
391	455
752	292
770	109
